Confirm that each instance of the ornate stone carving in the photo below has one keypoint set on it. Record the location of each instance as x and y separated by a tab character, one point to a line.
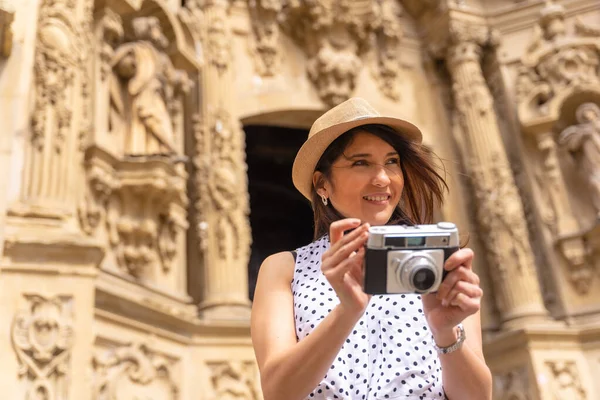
565	381
555	213
388	35
583	143
141	202
7	15
134	372
499	209
111	27
264	15
223	187
60	53
234	380
218	47
144	91
334	35
42	337
556	64
512	385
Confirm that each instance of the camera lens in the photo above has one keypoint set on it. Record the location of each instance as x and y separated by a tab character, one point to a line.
423	279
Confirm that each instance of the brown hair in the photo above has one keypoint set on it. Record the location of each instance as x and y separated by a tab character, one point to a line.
423	186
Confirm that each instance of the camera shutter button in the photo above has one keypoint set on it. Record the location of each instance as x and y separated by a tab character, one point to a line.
446	225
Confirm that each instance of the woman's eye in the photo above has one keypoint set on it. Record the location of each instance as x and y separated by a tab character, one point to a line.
394	161
359	163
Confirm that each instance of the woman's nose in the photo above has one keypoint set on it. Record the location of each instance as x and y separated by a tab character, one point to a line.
381	177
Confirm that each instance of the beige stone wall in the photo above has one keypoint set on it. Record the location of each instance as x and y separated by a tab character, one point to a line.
123	220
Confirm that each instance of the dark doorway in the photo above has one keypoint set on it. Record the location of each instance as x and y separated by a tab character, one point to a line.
280	217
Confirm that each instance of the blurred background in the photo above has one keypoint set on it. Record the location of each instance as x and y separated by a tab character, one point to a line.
146	150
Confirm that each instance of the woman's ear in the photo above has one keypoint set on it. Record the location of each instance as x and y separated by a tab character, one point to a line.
319	183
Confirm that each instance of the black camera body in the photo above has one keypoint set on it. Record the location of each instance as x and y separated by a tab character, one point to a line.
408	259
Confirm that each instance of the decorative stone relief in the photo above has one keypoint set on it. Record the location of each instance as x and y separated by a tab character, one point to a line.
139	196
582	141
133	372
218	47
388	35
111	26
141	203
58	115
334	35
556	66
512	385
556	61
42	337
144	91
234	380
220	188
565	381
264	15
7	15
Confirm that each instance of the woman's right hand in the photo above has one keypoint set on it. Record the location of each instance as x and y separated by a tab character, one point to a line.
342	264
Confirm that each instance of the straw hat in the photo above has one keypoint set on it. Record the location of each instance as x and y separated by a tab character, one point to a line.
328	127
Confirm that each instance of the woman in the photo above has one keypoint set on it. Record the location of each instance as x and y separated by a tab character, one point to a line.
316	333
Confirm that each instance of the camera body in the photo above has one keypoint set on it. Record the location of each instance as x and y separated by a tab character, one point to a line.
408	259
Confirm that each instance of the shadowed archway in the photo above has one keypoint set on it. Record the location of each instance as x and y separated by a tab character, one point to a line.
280	217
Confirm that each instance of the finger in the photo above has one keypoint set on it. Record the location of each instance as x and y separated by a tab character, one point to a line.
462	287
344	240
337	272
467	304
346	249
460	273
461	257
337	228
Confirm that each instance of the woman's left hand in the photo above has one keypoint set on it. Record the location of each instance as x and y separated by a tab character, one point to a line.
458	296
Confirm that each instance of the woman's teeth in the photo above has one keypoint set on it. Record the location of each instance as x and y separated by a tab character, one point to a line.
376	198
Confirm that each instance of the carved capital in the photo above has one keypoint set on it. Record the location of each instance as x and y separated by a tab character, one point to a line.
42	337
134	371
7	15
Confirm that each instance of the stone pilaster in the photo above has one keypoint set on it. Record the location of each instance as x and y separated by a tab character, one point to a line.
499	211
222	205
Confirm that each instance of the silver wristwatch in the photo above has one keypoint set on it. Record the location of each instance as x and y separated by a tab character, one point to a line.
453	347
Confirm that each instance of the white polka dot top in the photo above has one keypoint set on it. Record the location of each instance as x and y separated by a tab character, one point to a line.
388	355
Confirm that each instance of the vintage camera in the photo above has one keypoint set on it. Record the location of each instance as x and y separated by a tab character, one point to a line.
408	259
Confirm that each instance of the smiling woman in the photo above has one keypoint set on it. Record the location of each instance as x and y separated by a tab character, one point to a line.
316	333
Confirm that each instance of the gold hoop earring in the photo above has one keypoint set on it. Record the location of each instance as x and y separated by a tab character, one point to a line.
324	200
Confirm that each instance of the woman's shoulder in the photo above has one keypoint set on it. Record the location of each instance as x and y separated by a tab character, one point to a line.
278	266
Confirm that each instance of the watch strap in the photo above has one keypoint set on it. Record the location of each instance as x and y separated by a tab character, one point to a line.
456	345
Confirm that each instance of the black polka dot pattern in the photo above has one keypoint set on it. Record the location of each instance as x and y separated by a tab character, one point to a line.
388	355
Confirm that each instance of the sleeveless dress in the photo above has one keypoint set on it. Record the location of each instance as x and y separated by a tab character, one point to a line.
388	355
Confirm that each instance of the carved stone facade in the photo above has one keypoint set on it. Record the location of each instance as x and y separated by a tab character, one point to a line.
124	227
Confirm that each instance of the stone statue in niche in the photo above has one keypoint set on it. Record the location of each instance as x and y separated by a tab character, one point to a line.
142	91
583	142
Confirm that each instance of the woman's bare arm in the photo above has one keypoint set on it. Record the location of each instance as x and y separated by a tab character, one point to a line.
278	354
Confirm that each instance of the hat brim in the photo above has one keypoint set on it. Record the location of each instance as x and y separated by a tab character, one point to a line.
311	151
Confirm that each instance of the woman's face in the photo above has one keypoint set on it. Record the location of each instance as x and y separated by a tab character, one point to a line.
366	181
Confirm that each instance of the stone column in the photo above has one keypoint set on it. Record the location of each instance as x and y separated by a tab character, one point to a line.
222	206
499	212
